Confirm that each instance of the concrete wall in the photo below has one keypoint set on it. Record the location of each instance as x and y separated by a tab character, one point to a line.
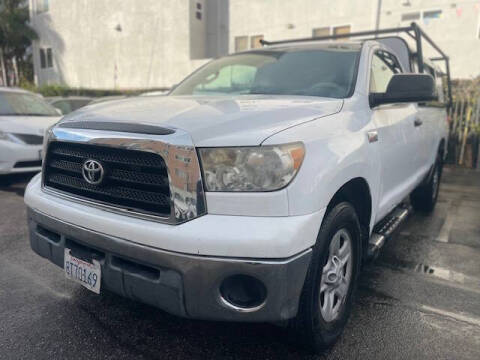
123	44
198	29
217	27
128	44
280	19
456	31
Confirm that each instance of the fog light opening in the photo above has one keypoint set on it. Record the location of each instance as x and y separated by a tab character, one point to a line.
243	292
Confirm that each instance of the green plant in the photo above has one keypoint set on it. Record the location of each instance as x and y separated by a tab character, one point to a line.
16	36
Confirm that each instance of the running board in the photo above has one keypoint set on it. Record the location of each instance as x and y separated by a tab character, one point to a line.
384	229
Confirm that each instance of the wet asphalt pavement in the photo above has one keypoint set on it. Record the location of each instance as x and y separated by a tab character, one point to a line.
419	300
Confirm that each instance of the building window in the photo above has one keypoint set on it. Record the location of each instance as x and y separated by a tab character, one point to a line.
42	6
46	58
198	12
43	59
49	58
340	30
411	16
433	14
255	41
241	43
319	32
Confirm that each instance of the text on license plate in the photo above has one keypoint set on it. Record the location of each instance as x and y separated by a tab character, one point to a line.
85	273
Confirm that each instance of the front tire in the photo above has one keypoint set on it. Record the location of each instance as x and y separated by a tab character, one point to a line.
327	295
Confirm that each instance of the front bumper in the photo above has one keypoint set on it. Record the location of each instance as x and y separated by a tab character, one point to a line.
184	285
17	158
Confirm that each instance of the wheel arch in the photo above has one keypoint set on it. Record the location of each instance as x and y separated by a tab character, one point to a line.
357	192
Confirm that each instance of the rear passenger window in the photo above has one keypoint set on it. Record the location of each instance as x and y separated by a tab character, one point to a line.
384	66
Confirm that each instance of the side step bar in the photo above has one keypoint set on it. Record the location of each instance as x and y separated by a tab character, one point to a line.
384	229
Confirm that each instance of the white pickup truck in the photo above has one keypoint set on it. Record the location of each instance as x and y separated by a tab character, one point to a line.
253	191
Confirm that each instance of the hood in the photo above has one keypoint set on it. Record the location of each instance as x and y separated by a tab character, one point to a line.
214	121
32	125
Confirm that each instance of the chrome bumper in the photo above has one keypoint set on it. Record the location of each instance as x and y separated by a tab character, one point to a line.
184	285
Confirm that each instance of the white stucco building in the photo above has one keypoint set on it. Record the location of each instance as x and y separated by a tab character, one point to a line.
132	44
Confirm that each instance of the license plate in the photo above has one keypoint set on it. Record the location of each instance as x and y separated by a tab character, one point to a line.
83	272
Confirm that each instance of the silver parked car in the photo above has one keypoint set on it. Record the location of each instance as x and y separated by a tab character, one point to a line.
68	104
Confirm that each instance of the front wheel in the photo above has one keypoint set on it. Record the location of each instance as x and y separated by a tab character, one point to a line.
327	295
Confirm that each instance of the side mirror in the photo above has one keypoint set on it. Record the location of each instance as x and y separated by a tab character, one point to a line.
405	88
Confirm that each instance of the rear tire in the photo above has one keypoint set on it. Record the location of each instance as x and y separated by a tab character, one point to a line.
424	197
327	295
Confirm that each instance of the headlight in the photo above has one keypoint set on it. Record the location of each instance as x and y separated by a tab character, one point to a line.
259	168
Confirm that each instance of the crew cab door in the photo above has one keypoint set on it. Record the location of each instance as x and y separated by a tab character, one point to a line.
399	142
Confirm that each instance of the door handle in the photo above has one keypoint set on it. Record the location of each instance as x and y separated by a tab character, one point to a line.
417	122
372	136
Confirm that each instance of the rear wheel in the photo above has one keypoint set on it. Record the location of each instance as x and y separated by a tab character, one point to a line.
424	197
327	295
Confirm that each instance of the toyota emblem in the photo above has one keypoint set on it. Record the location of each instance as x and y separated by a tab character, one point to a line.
93	172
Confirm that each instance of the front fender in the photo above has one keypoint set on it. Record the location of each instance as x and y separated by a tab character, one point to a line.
336	153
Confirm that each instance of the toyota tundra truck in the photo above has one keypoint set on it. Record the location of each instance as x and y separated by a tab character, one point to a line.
255	189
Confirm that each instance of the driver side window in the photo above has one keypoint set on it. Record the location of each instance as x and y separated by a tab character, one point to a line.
384	66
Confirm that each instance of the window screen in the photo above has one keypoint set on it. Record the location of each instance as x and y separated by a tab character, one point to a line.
43	6
241	43
43	59
411	16
49	58
318	32
434	14
255	41
340	30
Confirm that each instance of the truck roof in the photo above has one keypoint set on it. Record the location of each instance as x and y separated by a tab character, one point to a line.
313	45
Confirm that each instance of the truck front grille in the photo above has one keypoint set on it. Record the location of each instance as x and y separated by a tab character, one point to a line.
133	180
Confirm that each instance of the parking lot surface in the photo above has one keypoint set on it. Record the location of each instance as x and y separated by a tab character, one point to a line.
419	300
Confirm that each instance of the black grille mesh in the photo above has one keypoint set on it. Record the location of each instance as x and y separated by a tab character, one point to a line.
134	179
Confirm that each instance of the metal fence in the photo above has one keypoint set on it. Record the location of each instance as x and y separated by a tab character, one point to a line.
464	119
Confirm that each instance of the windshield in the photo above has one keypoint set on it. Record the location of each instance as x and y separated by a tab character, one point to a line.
23	104
326	72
